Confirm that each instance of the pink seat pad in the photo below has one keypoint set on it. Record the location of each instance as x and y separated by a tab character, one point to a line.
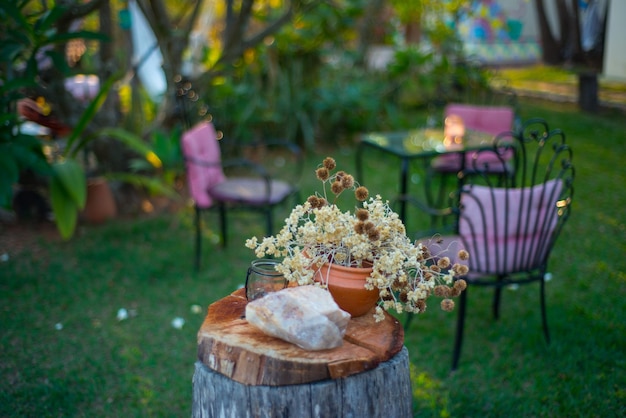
488	228
251	191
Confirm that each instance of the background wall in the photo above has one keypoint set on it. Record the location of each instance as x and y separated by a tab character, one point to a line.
615	51
502	32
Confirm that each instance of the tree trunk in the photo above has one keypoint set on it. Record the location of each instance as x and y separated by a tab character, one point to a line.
371	16
413	32
381	392
107	152
567	47
588	92
549	45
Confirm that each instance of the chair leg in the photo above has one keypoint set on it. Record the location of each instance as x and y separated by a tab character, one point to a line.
544	318
269	221
198	239
496	302
435	199
458	340
442	190
223	228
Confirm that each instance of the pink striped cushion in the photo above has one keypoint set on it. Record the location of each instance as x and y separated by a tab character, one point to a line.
493	120
494	242
200	144
490	119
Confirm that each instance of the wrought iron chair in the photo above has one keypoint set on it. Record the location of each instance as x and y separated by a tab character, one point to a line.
442	171
509	225
242	183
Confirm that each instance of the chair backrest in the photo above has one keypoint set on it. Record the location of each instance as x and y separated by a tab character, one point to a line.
201	152
509	223
490	119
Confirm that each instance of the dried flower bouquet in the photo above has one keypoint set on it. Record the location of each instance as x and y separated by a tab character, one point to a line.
318	232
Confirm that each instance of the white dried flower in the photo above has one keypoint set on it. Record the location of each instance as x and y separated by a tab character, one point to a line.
320	233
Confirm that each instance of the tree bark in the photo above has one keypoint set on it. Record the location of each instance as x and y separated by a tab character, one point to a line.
173	35
111	156
371	17
379	393
565	47
550	47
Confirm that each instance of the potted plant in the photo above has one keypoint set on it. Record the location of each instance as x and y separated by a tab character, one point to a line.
26	46
26	50
69	182
319	240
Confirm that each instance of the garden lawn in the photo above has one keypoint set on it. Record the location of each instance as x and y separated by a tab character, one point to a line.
63	352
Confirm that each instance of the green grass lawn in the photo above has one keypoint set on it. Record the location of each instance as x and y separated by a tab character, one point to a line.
64	353
542	78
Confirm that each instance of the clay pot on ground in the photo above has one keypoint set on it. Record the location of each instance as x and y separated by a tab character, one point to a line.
100	205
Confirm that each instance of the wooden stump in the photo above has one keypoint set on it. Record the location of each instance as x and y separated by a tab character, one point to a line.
228	344
241	372
381	392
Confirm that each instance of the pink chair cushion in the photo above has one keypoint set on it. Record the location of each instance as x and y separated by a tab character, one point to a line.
199	144
489	119
494	242
251	191
451	163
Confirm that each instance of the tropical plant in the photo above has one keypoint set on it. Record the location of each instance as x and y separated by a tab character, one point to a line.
318	233
24	48
350	100
165	160
26	40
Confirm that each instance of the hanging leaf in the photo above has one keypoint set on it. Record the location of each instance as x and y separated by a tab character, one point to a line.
9	174
64	207
127	138
16	16
70	176
154	186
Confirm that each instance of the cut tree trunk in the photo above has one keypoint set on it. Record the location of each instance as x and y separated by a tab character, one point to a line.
383	392
243	372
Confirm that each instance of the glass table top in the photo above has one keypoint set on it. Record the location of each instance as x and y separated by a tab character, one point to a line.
425	142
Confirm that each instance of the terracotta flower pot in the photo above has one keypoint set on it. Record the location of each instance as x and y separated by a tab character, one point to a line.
100	204
347	286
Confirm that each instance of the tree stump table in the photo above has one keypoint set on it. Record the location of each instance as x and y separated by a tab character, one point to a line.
242	372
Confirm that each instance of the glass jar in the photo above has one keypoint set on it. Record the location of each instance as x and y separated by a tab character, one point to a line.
262	278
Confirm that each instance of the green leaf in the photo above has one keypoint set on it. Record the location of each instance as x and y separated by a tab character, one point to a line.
17	85
153	185
16	15
69	176
9	174
137	164
59	62
8	165
28	154
10	51
86	118
49	18
64	207
127	138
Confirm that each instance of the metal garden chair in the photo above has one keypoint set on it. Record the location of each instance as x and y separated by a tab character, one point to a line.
247	184
509	224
